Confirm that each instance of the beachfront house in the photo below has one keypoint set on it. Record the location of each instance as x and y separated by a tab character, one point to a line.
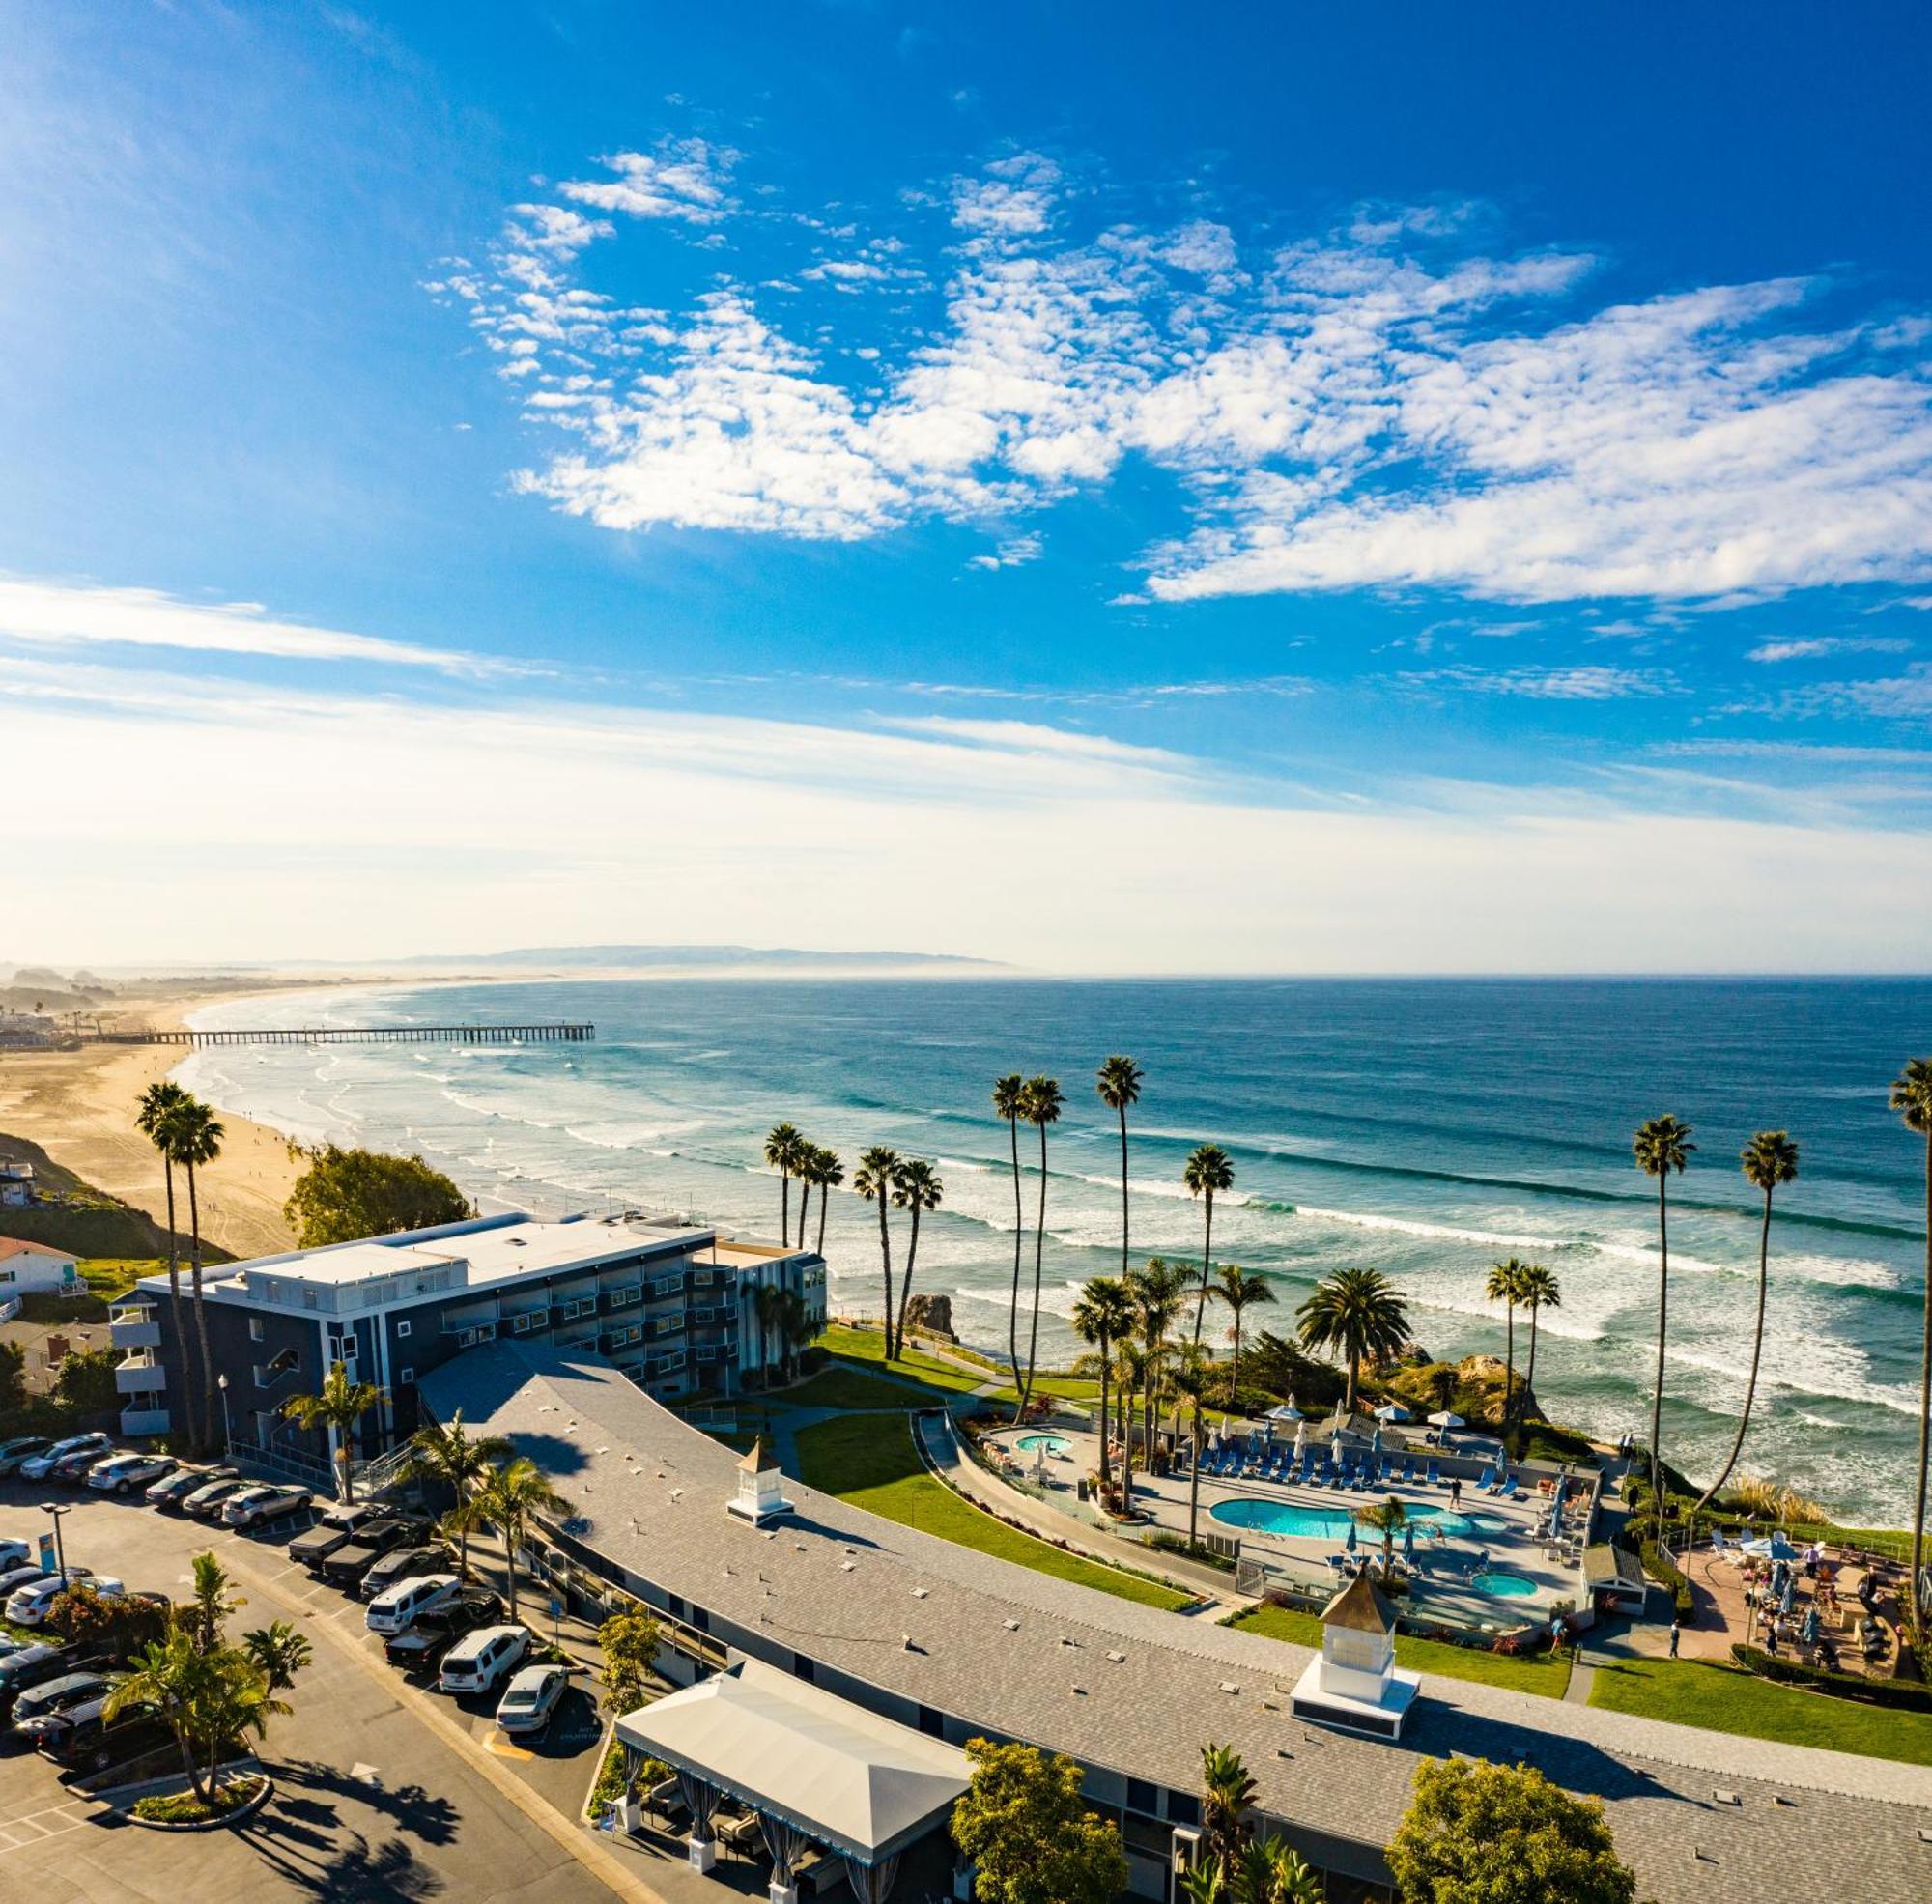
37	1269
17	1183
673	1308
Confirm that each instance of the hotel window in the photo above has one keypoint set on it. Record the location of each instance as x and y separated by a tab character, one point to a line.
406	1376
254	1328
1142	1797
401	1329
310	1301
1182	1808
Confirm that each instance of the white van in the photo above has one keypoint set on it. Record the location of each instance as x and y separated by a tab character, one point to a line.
28	1605
393	1608
480	1659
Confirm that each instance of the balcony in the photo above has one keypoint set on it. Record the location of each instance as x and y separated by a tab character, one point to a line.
134	1328
140	1375
137	1421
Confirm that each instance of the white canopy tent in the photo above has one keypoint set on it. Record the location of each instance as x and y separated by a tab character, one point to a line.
806	1759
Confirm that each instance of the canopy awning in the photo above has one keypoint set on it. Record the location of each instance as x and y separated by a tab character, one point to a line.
864	1785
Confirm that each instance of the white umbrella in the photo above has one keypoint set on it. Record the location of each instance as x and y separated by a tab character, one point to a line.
1446	1419
1301	1440
1288	1412
1392	1411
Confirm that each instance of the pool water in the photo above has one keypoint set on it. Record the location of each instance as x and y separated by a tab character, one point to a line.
1502	1587
1054	1444
1293	1521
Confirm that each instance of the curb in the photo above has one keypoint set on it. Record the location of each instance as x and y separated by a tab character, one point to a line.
264	1790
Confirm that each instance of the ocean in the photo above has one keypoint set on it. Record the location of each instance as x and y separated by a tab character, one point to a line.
1423	1128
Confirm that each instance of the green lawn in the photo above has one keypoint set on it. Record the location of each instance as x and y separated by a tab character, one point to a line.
1541	1673
1725	1699
874	1465
844	1385
857	1347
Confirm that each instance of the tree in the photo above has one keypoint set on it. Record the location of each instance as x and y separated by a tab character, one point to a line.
280	1651
1008	1101
1207	1171
1358	1313
1030	1838
1912	1099
1130	1372
336	1411
1102	1316
877	1168
796	1328
1505	1286
208	1699
1481	1833
1661	1146
1443	1380
767	1311
1191	1381
1155	1292
1042	1107
629	1642
1541	1291
119	1627
1119	1084
509	1498
194	1135
210	1601
1282	1367
85	1381
159	1104
345	1195
824	1171
915	1187
13	1379
1227	1797
1386	1518
1241	1291
448	1456
784	1151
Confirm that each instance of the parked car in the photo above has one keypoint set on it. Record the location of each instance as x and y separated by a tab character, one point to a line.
205	1502
94	1744
392	1609
15	1554
430	1635
22	1448
259	1506
336	1525
37	1468
122	1474
173	1493
16	1578
348	1564
531	1699
27	1606
34	1665
480	1659
83	1694
399	1563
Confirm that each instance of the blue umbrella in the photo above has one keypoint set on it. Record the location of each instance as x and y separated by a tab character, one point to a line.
1408	1541
1785	1599
1808	1632
1350	1543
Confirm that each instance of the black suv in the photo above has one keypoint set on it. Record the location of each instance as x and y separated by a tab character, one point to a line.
37	1665
424	1643
348	1564
94	1744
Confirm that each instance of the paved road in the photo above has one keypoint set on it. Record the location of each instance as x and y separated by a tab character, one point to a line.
373	1800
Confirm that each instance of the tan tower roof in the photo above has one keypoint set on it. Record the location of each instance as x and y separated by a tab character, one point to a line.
1358	1605
761	1459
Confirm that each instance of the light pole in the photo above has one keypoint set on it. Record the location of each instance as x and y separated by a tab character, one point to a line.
57	1509
227	1427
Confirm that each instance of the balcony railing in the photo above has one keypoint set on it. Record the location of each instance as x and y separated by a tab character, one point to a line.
137	1421
139	1329
140	1375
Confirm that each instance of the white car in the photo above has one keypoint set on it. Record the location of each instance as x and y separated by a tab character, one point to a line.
13	1553
122	1474
27	1606
394	1607
256	1507
16	1578
36	1467
530	1700
480	1659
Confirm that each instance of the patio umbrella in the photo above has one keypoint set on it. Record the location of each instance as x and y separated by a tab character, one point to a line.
1375	1441
1301	1440
1789	1594
1392	1411
1350	1543
1808	1632
1408	1540
1445	1418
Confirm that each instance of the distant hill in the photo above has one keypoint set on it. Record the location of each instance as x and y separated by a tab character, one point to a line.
607	957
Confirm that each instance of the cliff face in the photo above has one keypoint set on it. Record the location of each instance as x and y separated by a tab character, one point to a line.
929	1315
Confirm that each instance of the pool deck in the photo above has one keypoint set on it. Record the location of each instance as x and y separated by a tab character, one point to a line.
1444	1565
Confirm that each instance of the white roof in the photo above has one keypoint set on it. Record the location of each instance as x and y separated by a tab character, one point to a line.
839	1773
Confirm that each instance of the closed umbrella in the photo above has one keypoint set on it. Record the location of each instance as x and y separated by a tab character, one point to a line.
1375	1441
1350	1543
1301	1440
1785	1598
1808	1632
1408	1541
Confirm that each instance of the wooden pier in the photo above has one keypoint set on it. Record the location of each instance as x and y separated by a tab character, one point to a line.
545	1034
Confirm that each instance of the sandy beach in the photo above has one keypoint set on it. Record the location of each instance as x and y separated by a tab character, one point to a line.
79	1107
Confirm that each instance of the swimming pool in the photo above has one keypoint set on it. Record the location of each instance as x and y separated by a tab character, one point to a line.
1293	1521
1502	1587
1054	1444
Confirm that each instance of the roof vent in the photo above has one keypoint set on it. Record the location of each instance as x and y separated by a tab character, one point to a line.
1079	1691
1229	1686
920	1593
1011	1626
1722	1797
905	1640
1064	1641
1119	1659
848	1566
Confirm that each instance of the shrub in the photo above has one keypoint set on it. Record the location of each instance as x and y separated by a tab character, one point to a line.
1663	1569
1903	1693
347	1195
123	1625
184	1808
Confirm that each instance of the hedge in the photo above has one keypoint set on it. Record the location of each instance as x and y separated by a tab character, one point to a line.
1900	1692
1661	1569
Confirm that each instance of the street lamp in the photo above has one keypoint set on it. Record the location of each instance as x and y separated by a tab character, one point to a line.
227	1427
57	1509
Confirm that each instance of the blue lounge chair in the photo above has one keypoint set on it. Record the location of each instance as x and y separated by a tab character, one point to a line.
1434	1475
1407	1467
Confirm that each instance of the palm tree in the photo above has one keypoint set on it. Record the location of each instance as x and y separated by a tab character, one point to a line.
1359	1313
159	1104
1102	1314
1541	1291
1505	1286
1040	1107
1239	1291
877	1167
451	1458
1120	1085
1388	1518
767	1311
194	1141
795	1329
1769	1159
1192	1378
1010	1102
1912	1099
1209	1170
824	1170
280	1651
1155	1292
1661	1146
209	1602
1227	1797
915	1187
783	1148
209	1700
507	1500
336	1410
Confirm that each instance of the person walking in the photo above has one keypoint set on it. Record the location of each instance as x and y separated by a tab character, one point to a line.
1675	1630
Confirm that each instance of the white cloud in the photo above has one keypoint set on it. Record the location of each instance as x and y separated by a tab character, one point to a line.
1013	200
1014	552
682	179
1815	647
1584	683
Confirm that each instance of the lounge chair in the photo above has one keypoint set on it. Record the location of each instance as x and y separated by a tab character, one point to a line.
1408	1469
1434	1476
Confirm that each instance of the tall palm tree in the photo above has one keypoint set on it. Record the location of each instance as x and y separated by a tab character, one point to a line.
1241	1291
1227	1797
1190	1380
1156	1291
1358	1312
1541	1291
1661	1146
1912	1099
194	1142
915	1187
874	1182
1769	1159
451	1457
1010	1102
509	1498
1102	1316
1207	1171
1040	1107
280	1651
336	1410
795	1329
159	1104
1505	1286
1130	1371
826	1171
784	1146
1120	1085
768	1312
206	1700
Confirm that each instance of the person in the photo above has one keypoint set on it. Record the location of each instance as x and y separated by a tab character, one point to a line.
1675	1630
1770	1638
1456	1491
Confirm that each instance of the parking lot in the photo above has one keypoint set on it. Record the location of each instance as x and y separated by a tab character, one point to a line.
385	1789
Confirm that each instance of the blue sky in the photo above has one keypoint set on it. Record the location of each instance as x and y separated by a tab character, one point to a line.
1290	489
